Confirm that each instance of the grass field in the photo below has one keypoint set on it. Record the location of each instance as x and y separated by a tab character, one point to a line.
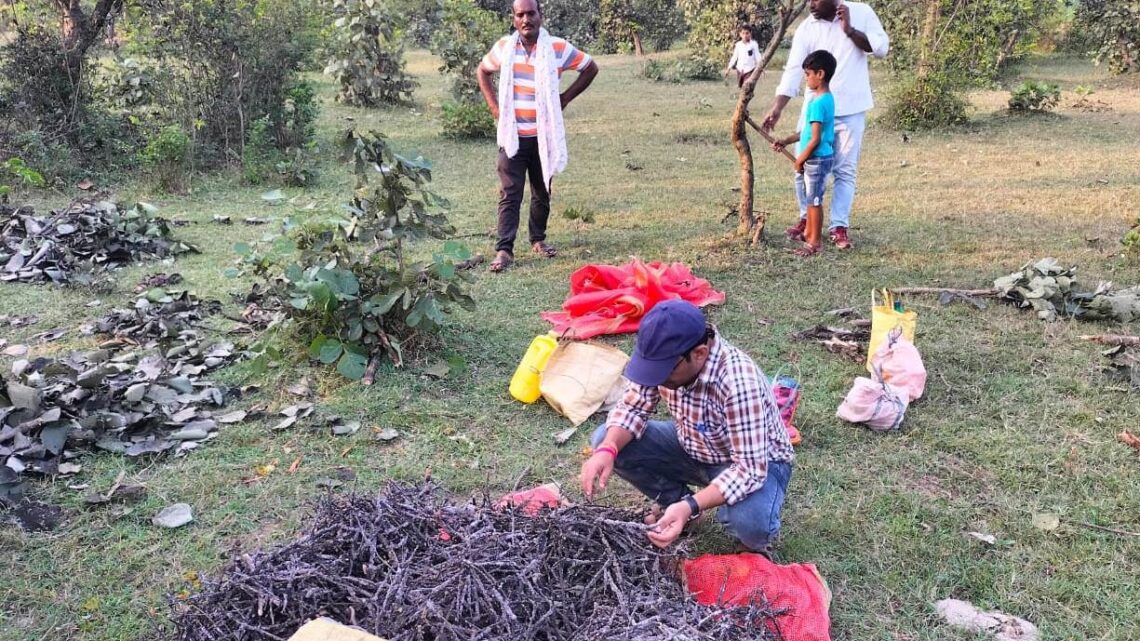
1017	417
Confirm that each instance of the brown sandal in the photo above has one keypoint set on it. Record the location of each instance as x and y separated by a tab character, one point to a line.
503	260
545	249
807	251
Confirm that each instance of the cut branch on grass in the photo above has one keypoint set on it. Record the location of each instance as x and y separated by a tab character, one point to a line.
976	293
751	225
1113	340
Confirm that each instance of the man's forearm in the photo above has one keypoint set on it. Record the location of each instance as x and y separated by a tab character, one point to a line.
617	437
780	102
860	39
585	77
484	78
709	497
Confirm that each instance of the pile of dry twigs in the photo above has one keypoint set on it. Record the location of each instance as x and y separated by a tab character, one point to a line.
406	565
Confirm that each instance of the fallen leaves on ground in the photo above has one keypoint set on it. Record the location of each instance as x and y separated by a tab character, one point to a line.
1051	291
75	244
848	342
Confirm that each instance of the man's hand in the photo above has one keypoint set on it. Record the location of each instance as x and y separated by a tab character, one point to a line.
597	468
778	145
494	112
770	119
669	526
844	15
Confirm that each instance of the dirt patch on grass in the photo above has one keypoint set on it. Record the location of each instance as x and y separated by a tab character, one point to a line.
700	138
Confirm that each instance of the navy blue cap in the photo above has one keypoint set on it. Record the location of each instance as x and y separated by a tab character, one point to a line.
667	332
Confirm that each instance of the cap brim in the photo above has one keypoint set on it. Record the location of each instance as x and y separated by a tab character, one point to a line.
649	373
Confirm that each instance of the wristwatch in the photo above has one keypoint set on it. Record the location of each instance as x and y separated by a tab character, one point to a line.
694	507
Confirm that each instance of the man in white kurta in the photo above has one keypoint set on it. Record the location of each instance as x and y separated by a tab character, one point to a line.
851	32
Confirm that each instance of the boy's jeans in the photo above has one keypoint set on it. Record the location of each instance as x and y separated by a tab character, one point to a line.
848	143
659	467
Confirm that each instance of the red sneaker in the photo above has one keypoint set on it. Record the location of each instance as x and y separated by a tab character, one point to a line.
839	238
796	231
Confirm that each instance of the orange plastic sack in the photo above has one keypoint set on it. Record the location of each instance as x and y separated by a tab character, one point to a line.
898	362
733	579
880	405
533	500
607	299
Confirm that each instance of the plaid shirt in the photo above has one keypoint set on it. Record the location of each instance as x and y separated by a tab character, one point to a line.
728	415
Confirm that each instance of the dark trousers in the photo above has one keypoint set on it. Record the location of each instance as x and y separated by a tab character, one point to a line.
512	179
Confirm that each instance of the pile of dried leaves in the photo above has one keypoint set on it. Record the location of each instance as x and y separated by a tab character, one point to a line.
1051	290
158	313
407	566
119	397
71	245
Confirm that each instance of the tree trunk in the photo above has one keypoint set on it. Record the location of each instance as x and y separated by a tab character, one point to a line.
749	225
926	42
637	48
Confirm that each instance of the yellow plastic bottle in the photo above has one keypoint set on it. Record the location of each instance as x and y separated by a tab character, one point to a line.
524	384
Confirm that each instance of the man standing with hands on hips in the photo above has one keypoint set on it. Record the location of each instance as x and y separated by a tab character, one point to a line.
849	31
726	436
527	106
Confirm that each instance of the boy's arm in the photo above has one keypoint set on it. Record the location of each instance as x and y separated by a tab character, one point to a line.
809	148
732	60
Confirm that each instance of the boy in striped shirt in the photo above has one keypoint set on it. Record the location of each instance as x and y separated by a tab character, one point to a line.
527	160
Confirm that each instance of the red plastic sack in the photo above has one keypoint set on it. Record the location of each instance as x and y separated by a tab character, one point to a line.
733	579
898	362
880	405
605	299
531	501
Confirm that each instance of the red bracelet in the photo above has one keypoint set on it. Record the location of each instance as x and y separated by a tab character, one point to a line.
606	448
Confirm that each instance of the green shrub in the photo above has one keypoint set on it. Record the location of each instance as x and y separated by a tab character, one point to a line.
351	291
167	158
25	175
1034	96
467	34
295	122
1111	28
260	156
926	103
683	70
1131	239
369	62
467	120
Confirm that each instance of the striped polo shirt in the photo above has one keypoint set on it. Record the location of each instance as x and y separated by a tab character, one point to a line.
566	56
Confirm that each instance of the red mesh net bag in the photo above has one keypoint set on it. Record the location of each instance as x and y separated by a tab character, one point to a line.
798	589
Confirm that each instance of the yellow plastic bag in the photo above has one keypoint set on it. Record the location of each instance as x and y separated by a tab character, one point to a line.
579	376
884	318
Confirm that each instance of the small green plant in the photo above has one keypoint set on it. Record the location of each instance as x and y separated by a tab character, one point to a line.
683	70
1083	91
1131	239
467	120
351	291
25	174
296	124
925	103
582	219
167	157
653	70
1034	96
260	156
369	65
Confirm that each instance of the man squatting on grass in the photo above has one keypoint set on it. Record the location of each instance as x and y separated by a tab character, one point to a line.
816	145
528	110
849	31
726	435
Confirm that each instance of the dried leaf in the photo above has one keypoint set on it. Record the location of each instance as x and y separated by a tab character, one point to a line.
285	424
345	429
387	434
174	516
232	417
438	369
15	350
1046	521
300	388
988	539
564	435
69	468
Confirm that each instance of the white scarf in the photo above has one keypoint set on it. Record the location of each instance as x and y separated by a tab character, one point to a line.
548	105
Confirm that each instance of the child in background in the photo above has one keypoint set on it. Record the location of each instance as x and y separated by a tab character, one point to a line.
815	151
745	56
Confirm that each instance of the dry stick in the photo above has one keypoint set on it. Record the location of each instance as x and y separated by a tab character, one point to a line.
1113	340
977	293
768	137
1102	528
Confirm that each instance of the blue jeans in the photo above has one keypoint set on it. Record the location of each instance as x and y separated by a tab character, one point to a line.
662	470
848	144
814	179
